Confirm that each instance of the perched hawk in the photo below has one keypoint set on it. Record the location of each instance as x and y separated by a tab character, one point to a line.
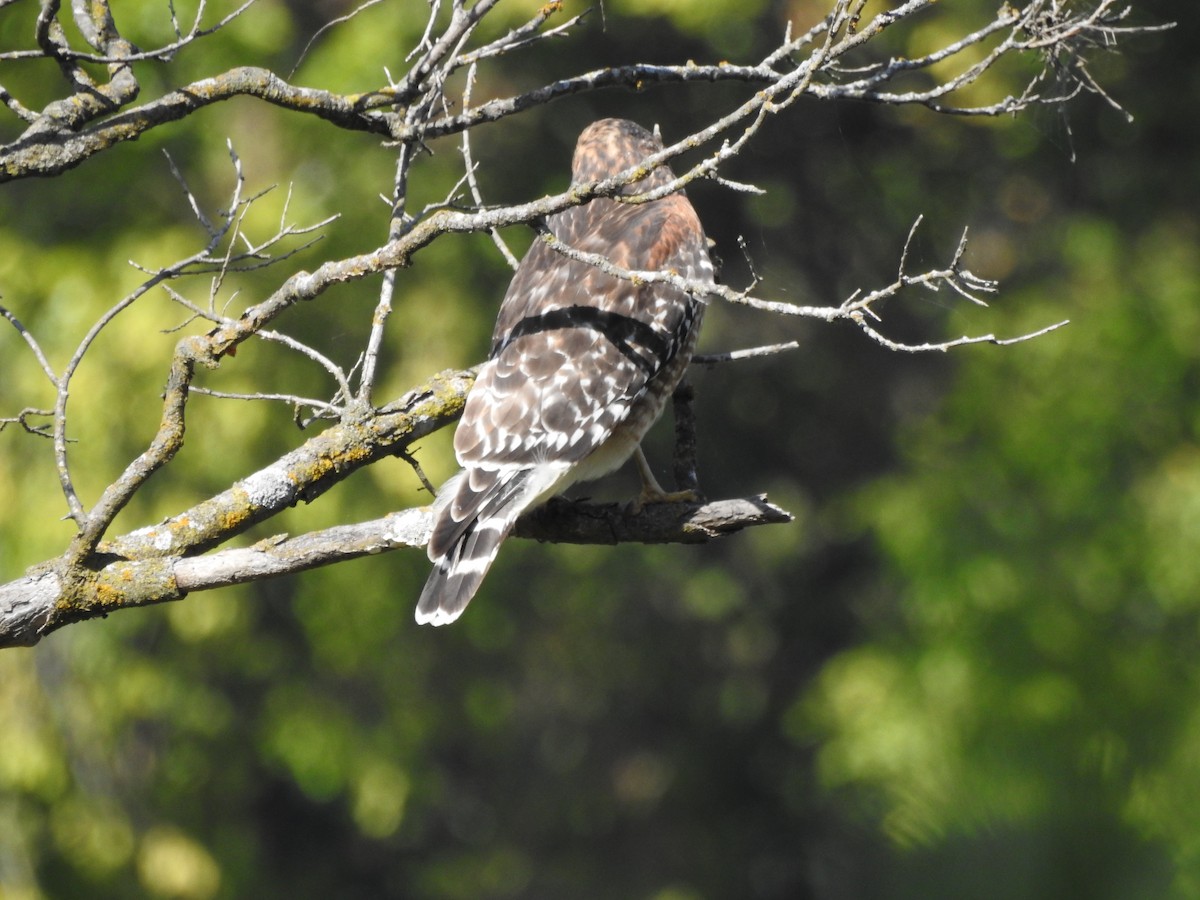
581	365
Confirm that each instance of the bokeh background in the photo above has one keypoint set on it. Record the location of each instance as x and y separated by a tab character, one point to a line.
969	669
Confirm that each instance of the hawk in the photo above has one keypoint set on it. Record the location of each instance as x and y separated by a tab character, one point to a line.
581	363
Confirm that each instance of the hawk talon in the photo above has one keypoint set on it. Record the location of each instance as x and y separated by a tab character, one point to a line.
650	495
652	491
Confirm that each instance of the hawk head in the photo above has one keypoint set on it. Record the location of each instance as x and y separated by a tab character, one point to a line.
610	146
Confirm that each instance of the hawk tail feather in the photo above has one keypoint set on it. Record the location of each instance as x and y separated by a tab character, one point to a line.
470	524
457	575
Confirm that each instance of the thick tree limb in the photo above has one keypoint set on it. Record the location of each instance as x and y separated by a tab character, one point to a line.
48	597
303	474
45	151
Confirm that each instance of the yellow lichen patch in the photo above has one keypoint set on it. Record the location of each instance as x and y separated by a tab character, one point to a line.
125	584
232	518
355	452
108	596
313	472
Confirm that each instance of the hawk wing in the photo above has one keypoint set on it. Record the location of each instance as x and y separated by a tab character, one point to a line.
575	348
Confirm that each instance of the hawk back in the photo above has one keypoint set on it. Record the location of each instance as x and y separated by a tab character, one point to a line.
581	365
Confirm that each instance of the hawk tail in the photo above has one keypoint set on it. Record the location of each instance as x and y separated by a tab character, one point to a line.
473	515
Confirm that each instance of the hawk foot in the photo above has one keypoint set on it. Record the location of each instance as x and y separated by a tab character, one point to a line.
652	491
655	494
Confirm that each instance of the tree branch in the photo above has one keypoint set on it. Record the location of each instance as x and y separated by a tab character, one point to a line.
46	599
43	151
1061	35
303	474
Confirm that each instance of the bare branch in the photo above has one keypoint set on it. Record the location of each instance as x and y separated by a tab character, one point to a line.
16	106
526	34
22	418
191	198
398	223
328	26
1061	35
857	308
943	346
304	473
33	345
189	352
326	410
316	356
44	600
50	150
712	359
512	261
165	52
441	55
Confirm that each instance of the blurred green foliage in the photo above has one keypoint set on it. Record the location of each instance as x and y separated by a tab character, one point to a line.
967	670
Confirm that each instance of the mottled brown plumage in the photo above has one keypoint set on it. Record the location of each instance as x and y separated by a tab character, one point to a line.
581	363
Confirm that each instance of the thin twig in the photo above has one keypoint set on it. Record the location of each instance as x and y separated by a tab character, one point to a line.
32	343
943	346
712	359
329	409
191	198
398	223
22	418
856	308
328	26
508	255
164	52
320	359
523	36
420	473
